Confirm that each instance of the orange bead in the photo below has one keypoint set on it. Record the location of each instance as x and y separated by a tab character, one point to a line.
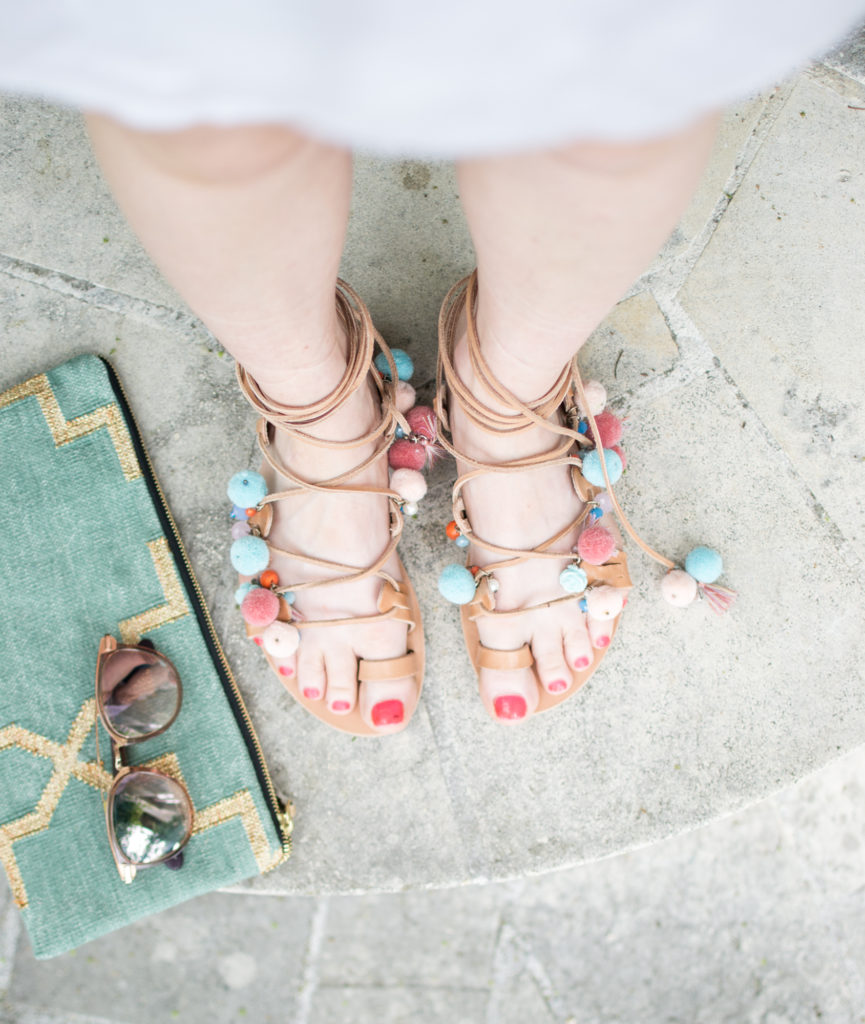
269	578
474	569
251	511
452	530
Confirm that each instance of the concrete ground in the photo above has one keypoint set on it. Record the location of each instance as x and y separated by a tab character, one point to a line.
730	892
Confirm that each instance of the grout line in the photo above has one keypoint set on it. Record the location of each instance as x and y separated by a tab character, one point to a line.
309	985
143	311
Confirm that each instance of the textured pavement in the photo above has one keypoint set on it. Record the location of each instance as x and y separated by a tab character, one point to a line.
736	358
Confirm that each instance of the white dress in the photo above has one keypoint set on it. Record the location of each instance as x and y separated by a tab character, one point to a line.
443	78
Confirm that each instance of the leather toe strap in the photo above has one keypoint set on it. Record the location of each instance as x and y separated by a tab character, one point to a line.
489	658
387	668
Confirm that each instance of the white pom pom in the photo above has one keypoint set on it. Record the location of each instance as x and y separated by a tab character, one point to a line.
280	639
605	602
405	396
409	484
596	397
678	588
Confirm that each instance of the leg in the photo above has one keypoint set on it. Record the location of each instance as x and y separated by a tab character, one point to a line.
559	237
248	224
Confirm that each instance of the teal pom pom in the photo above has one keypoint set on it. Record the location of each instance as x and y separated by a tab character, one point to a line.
402	360
573	580
456	584
592	467
241	592
250	555
704	564
246	488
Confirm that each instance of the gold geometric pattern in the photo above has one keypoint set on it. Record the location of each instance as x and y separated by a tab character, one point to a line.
63	431
67	765
175	606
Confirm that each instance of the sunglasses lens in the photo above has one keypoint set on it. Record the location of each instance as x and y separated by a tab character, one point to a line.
151	817
140	692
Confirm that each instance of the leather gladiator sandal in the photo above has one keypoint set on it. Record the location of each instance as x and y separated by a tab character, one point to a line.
596	581
268	603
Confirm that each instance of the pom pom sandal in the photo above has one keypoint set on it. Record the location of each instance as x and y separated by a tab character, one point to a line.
267	604
596	580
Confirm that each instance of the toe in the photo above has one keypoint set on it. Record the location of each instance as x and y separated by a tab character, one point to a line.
287	670
509	696
578	647
309	673
554	674
600	631
386	705
341	670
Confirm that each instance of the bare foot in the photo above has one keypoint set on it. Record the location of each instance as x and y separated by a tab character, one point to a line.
521	510
353	529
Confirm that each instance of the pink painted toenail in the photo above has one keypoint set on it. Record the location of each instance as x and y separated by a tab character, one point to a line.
286	670
340	705
387	712
512	706
582	662
312	694
557	686
257	640
602	641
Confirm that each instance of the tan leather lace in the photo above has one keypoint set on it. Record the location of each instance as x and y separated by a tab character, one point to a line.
567	393
362	338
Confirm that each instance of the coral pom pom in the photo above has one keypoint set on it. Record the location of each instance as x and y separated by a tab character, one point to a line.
457	584
405	396
409	484
596	397
678	588
402	361
596	545
249	555
260	607
281	639
406	455
246	488
605	602
592	467
422	421
609	429
704	564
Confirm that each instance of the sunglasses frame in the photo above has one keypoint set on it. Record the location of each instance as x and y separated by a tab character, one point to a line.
121	769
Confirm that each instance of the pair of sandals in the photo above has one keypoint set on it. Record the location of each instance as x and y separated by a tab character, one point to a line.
406	436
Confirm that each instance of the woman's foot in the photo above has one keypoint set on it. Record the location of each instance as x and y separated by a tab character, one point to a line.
345	528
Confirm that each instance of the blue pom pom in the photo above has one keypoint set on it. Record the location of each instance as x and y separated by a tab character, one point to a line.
462	542
402	360
583	427
247	488
456	584
250	555
241	592
704	564
592	467
238	514
573	580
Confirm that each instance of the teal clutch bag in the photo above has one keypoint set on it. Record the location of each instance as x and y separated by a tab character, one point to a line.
88	547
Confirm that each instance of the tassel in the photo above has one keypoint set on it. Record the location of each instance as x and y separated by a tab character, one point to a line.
720	599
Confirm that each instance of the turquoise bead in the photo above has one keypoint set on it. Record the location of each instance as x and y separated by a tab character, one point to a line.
402	360
456	584
250	555
592	467
704	564
584	605
573	580
462	542
290	596
596	514
247	488
583	427
241	592
238	514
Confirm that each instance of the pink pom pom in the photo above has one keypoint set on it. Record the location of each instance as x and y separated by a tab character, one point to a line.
409	484
422	420
406	454
596	545
260	607
609	429
405	396
618	450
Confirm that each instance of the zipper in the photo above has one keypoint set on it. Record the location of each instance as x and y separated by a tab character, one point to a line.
282	814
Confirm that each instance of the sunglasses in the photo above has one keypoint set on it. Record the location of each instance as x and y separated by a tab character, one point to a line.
149	814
